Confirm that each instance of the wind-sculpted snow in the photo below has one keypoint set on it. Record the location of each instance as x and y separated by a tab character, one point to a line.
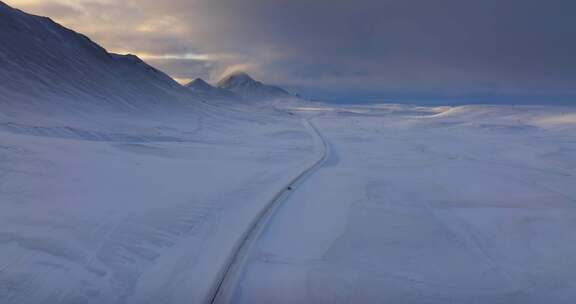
80	134
138	209
471	204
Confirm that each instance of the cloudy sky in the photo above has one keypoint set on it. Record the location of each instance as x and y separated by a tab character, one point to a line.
361	50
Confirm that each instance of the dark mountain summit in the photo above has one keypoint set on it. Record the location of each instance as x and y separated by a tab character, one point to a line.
245	86
200	85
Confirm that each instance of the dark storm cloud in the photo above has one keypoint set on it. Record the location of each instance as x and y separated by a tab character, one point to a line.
419	47
514	45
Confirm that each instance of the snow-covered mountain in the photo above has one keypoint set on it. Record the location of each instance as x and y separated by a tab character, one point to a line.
45	64
46	67
199	85
245	86
203	89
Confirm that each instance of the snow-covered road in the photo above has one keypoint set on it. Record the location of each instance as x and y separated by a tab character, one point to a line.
416	205
233	268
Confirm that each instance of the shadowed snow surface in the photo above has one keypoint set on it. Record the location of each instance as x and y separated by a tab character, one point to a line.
472	204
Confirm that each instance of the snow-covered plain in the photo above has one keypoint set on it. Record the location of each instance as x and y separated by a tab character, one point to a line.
472	204
136	210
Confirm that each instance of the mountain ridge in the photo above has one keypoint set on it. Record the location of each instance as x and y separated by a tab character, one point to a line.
203	89
44	63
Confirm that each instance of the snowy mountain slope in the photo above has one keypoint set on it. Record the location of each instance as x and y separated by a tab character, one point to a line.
205	90
245	86
44	63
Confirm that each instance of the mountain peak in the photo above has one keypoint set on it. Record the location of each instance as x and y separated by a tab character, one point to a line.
201	88
236	79
200	85
240	74
245	86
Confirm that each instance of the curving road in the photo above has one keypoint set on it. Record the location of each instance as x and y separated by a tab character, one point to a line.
221	292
